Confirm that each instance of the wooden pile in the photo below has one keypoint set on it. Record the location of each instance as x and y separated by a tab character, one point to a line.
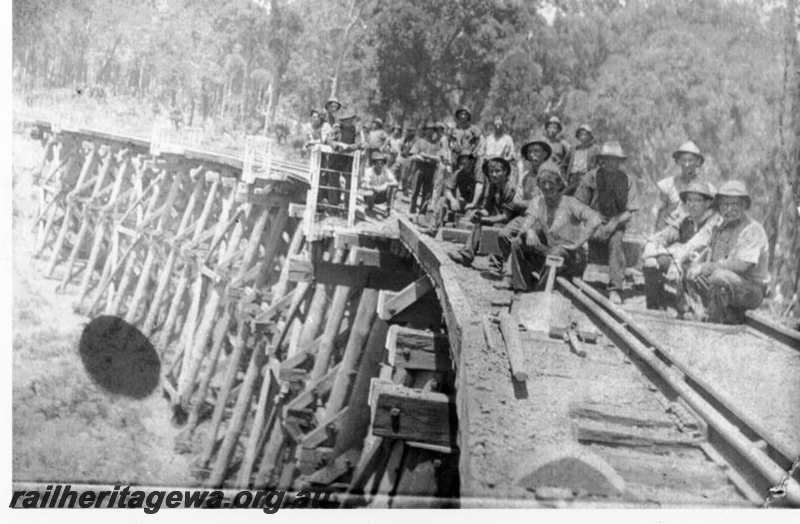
290	362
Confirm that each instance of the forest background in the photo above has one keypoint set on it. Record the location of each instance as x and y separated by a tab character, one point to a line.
649	73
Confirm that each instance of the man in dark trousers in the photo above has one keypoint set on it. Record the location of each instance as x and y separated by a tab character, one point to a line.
498	207
426	154
462	191
554	224
613	193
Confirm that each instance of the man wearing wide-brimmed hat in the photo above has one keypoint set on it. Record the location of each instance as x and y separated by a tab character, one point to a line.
379	184
612	192
729	274
561	150
497	209
583	160
466	137
689	159
426	154
664	249
534	152
553	224
332	106
376	140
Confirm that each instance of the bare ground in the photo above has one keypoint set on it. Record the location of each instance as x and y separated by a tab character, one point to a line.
65	427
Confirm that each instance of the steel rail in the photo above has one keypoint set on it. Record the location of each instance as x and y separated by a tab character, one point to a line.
732	435
780	451
757	321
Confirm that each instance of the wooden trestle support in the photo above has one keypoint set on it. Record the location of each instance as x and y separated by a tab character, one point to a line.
291	362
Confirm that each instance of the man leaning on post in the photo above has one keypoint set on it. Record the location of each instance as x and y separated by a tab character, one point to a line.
612	192
729	274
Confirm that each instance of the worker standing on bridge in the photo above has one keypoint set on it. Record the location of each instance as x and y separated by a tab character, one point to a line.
332	106
394	146
498	207
689	158
317	131
554	224
561	151
466	137
584	158
376	139
497	143
613	193
730	274
426	154
664	249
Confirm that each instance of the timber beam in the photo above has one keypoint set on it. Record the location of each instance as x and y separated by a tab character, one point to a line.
409	414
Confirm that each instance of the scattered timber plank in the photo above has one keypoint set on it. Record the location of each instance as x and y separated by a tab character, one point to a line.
340	466
622	415
415	349
762	323
509	326
623	435
390	304
409	414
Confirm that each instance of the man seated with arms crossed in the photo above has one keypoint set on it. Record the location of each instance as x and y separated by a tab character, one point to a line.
379	184
612	192
554	224
462	191
665	248
498	207
730	274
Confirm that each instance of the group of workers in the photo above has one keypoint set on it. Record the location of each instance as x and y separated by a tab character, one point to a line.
559	199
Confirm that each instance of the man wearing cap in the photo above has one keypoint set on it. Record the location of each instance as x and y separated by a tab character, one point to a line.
534	153
561	151
332	106
317	130
426	154
376	139
665	248
729	274
497	208
379	184
583	160
613	193
689	159
462	191
554	224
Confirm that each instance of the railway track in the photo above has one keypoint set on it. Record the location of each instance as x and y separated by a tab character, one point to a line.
754	459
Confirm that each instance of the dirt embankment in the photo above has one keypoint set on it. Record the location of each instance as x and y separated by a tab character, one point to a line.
66	427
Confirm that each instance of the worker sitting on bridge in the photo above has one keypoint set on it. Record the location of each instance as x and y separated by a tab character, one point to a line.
462	191
498	207
663	249
729	275
553	224
426	154
379	184
612	193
